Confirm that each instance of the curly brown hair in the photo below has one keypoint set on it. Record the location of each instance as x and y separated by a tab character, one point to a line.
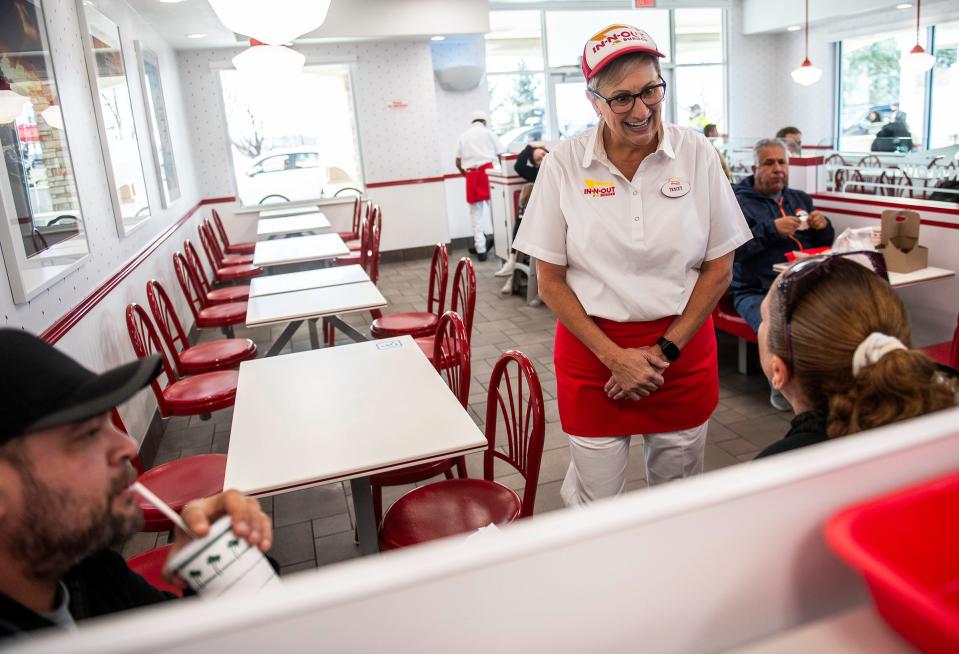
829	322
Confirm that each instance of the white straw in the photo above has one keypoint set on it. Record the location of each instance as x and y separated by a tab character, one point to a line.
162	506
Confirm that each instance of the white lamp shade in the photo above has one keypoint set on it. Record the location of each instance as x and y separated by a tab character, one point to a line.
269	61
273	22
806	74
11	105
53	116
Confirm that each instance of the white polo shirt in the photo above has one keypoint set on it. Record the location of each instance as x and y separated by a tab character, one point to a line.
632	248
477	146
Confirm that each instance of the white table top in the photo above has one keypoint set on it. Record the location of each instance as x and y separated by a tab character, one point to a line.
292	224
289	211
299	249
857	631
338	413
898	280
300	281
313	303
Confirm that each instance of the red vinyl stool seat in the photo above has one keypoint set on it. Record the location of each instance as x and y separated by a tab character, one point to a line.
199	394
445	508
414	323
940	353
348	236
228	294
726	319
149	565
354	258
221	354
179	482
237	273
247	247
237	260
222	315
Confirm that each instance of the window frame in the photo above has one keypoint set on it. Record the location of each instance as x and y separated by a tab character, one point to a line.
350	64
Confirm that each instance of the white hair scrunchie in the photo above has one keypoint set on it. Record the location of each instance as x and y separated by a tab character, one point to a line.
874	347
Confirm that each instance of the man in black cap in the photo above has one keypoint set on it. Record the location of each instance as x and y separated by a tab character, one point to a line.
65	473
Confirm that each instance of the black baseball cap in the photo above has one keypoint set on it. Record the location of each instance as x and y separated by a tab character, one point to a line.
41	387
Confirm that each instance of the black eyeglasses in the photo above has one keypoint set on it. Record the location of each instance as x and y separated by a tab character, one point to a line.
799	278
623	103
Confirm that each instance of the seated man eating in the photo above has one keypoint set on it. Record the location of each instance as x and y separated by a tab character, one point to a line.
65	473
782	220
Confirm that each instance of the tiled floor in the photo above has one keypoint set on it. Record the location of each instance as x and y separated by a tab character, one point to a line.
314	527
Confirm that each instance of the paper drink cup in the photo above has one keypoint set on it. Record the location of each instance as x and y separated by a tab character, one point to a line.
222	563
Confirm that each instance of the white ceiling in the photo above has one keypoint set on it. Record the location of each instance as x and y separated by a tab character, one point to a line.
347	20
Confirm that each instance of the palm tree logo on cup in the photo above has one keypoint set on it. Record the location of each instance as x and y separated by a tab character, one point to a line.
234	545
212	561
195	576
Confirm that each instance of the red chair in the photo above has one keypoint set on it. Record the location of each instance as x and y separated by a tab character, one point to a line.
947	352
725	319
371	264
354	233
453	352
224	273
176	483
456	506
189	396
149	565
221	354
419	323
246	247
463	302
213	252
238	293
358	248
205	315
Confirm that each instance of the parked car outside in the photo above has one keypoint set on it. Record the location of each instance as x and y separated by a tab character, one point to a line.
292	175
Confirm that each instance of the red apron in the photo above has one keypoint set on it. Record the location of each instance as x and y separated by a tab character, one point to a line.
477	184
686	400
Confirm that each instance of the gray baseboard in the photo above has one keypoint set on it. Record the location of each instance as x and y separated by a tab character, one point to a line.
424	252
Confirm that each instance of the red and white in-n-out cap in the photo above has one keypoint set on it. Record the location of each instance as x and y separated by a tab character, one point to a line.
613	41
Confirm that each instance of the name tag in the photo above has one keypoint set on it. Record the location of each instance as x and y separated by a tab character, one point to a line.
675	188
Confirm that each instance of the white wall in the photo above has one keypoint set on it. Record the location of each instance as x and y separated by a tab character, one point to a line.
397	144
99	341
454	109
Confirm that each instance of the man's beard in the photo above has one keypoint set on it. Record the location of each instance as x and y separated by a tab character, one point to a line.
47	542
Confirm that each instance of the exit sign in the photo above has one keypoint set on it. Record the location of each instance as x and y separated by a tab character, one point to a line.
641	4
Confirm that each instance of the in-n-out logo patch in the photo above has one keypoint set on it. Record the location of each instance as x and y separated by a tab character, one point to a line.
617	34
599	189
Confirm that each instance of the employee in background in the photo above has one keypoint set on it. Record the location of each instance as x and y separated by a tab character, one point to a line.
526	166
633	226
712	132
477	150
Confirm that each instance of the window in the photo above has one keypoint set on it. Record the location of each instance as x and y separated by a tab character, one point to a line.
944	122
531	98
286	138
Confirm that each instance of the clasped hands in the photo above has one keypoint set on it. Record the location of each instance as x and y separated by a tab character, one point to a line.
787	225
637	373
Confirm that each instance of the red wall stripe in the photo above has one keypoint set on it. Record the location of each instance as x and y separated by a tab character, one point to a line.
851	212
405	182
890	204
67	321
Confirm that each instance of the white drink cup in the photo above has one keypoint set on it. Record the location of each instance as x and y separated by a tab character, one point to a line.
221	562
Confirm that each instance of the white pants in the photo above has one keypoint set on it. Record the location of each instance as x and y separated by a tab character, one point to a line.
478	216
597	466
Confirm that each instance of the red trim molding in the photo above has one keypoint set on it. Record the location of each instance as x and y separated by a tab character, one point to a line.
67	321
806	161
863	214
405	182
918	205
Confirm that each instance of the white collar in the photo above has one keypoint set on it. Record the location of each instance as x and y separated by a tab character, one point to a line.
596	150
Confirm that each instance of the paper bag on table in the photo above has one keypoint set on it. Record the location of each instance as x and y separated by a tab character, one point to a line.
899	242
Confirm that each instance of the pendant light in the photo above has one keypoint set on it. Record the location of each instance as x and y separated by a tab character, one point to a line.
11	102
274	22
918	59
806	74
269	62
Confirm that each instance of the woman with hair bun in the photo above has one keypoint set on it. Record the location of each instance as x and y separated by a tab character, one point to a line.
835	340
